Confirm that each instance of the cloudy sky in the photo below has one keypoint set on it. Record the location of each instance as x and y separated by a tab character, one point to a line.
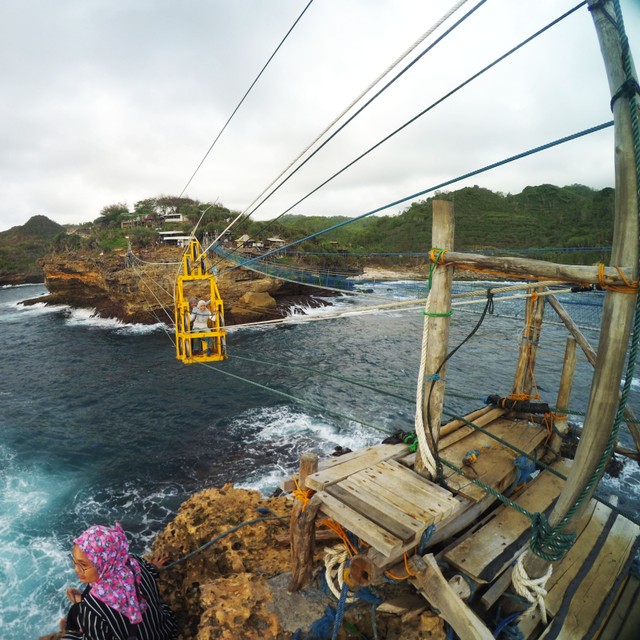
114	101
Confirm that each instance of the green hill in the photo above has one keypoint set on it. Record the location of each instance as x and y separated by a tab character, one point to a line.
21	247
543	218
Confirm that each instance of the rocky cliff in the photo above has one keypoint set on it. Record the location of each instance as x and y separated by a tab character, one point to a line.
234	587
230	568
142	290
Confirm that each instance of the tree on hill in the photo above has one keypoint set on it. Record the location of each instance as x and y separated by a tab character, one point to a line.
112	215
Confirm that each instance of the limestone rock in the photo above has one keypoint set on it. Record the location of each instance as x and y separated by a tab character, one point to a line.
143	291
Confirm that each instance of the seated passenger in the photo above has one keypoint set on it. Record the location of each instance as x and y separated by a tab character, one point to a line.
199	322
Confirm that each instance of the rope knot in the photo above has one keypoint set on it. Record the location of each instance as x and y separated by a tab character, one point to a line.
437	255
547	542
531	589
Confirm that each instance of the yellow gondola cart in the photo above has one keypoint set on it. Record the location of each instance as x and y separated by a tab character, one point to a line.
197	280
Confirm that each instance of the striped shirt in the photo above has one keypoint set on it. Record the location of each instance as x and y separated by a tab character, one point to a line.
99	621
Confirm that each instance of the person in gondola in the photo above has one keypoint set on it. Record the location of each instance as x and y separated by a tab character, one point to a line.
200	317
121	600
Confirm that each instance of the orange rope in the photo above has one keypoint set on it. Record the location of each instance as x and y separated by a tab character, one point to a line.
406	566
303	495
437	256
342	534
410	574
548	422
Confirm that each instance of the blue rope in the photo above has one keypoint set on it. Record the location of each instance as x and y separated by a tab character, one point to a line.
321	628
512	632
340	610
424	539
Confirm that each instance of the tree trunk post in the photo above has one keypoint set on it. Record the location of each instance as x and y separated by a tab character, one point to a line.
590	354
437	327
618	308
302	530
534	314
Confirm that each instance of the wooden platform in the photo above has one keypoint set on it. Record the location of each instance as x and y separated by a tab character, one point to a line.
375	494
494	466
389	506
587	582
487	552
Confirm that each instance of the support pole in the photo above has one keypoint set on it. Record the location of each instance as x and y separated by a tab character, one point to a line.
534	314
618	309
590	354
302	530
437	329
562	402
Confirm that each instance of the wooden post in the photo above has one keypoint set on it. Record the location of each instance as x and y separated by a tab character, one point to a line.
534	314
618	309
442	236
302	528
562	402
439	594
590	354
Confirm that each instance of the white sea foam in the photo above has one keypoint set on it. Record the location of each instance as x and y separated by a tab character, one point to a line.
20	286
18	312
274	426
32	568
90	319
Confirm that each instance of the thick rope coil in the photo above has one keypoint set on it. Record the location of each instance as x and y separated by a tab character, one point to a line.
532	590
335	562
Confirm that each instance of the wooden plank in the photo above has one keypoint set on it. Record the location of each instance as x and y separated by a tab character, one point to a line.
401	498
478	417
379	511
567	569
500	585
440	595
629	630
480	421
351	520
614	626
403	481
348	464
402	604
450	427
588	599
494	466
490	550
402	471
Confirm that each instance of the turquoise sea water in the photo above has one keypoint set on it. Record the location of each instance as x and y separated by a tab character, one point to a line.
99	421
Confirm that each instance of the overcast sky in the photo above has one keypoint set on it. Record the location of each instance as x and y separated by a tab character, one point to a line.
114	101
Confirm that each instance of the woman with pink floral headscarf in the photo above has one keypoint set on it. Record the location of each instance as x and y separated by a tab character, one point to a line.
121	599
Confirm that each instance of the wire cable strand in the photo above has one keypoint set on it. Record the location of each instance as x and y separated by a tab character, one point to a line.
446	183
193	175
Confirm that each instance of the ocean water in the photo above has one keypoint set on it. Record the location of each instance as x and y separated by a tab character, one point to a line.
99	422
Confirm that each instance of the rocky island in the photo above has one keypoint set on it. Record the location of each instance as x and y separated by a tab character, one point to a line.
141	289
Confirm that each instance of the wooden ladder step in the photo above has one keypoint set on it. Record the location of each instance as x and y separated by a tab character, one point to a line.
342	467
373	534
